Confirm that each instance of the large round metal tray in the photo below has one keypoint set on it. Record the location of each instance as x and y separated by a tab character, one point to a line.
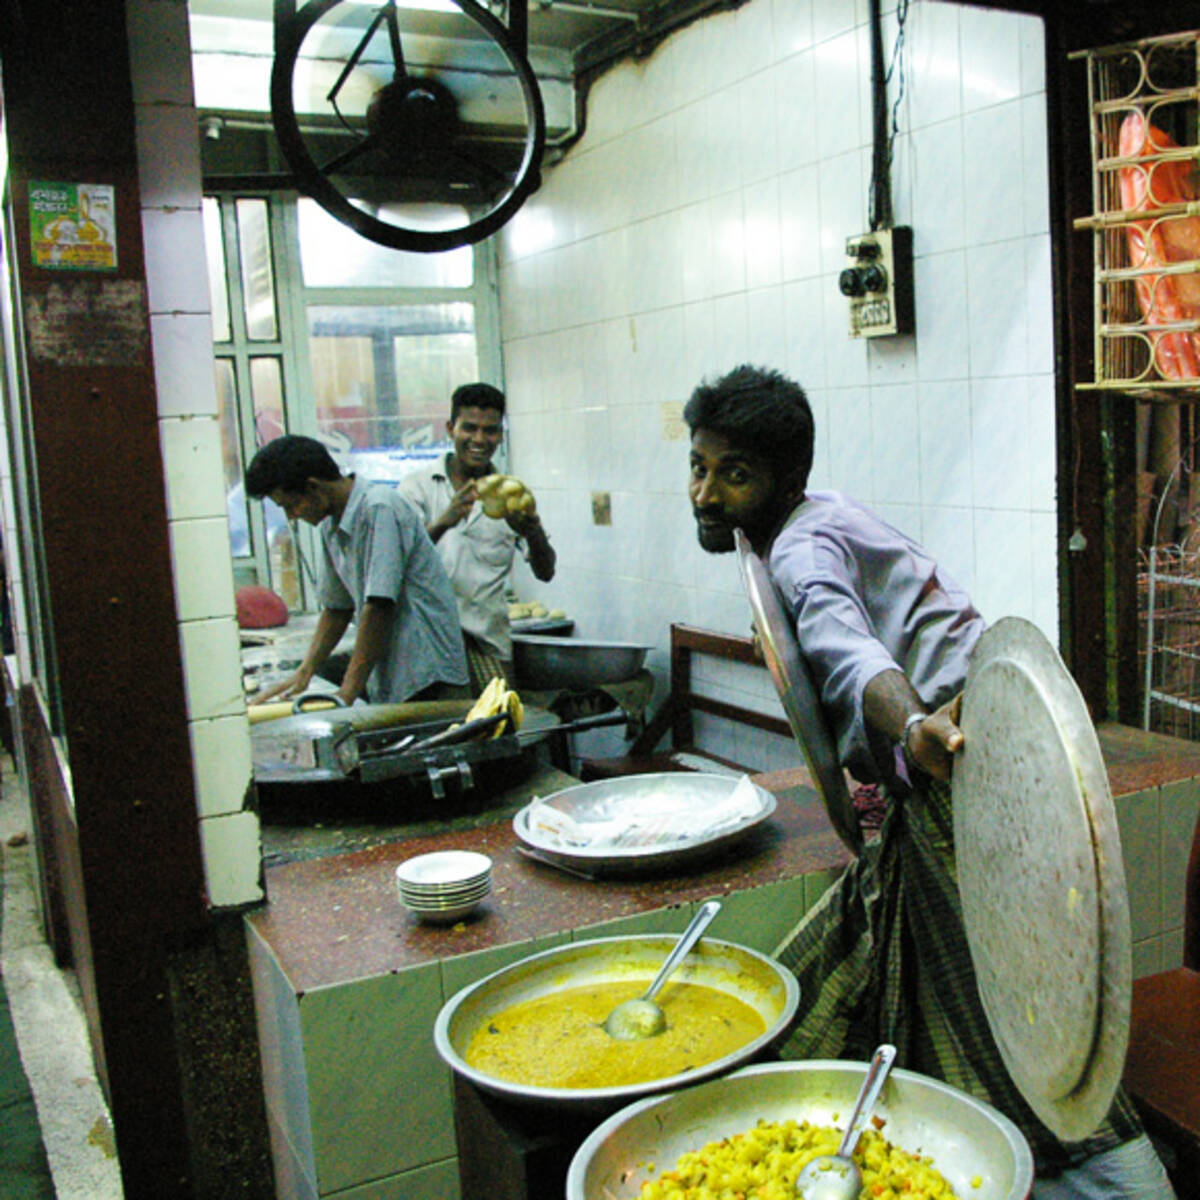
1041	878
692	807
980	1152
740	971
798	694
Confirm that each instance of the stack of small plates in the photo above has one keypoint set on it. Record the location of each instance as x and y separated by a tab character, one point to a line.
444	886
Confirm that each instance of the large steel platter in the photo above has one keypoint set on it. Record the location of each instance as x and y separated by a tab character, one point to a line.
981	1153
1041	878
798	694
642	824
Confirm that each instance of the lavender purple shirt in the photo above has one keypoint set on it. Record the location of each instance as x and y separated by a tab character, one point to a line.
867	599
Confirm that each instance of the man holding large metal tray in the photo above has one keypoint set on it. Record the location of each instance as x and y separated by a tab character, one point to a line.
870	644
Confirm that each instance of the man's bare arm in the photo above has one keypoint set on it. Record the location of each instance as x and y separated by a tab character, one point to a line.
931	743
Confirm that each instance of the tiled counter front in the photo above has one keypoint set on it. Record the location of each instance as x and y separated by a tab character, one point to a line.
1156	790
348	985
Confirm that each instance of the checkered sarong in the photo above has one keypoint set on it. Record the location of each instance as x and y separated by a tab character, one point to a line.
883	957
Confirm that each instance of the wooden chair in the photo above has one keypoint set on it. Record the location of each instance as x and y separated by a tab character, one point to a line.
1162	1067
674	717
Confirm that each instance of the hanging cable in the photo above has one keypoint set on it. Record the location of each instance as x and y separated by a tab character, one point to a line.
896	68
881	187
884	125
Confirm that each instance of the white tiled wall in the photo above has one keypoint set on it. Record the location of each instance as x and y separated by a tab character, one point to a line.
701	222
177	286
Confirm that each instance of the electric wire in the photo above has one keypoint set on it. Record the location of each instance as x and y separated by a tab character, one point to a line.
885	124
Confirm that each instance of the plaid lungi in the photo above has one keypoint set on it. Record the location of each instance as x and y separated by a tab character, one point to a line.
484	664
883	957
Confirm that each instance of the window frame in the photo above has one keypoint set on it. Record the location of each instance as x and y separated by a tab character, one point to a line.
293	298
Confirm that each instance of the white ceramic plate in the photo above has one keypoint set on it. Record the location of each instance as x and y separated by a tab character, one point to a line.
444	867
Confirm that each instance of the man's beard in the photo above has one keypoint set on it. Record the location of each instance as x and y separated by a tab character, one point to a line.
715	538
715	532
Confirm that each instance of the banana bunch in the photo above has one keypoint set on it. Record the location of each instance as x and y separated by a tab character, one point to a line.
495	699
505	494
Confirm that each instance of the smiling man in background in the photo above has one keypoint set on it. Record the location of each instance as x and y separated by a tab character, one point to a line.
477	550
883	955
378	568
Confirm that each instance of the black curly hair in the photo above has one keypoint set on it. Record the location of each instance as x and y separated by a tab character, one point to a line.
289	462
760	410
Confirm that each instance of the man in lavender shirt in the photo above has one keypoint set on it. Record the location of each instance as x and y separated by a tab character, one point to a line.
883	956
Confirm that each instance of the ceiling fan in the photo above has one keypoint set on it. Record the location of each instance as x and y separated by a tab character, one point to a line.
404	129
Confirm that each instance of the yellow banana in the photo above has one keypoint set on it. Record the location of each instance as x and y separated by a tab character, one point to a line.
495	699
488	703
516	710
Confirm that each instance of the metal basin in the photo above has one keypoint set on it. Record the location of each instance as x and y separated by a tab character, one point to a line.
750	976
567	662
966	1139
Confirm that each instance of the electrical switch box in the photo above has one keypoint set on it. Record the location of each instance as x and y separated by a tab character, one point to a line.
878	282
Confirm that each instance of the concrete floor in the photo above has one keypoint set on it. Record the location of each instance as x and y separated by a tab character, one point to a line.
48	1018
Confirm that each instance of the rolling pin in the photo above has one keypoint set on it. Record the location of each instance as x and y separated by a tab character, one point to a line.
368	716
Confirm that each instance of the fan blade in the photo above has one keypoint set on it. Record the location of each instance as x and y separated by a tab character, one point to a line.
370	142
482	168
393	27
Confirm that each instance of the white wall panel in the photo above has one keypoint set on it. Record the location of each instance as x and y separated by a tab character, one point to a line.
701	221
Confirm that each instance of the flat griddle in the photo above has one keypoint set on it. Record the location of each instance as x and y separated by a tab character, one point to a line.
393	762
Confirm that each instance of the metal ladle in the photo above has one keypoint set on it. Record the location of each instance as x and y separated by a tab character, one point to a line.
641	1017
836	1176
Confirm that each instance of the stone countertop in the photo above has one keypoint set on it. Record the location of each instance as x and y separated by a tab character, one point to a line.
336	918
1137	760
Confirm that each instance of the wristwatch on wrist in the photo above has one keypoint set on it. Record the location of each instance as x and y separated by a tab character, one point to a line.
906	733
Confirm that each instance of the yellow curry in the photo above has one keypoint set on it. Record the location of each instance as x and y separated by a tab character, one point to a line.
558	1041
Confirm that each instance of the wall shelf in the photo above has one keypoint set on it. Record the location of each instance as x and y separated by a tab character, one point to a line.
1145	217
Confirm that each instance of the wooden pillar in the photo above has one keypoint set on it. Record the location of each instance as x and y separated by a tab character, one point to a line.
126	834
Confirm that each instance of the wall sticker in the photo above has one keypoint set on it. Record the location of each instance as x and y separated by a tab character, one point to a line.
72	226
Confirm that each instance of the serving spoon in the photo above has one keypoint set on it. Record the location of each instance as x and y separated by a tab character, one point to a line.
836	1176
642	1017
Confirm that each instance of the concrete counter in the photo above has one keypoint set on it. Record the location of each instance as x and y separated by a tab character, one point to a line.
348	984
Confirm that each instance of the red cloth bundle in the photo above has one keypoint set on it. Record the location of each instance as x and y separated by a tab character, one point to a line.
1156	242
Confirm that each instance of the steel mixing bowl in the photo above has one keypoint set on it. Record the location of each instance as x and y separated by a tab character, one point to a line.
750	976
967	1140
569	662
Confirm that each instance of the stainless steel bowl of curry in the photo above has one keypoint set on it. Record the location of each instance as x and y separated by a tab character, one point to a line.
533	1033
980	1152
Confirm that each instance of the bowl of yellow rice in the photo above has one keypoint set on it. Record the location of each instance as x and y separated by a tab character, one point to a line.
749	1134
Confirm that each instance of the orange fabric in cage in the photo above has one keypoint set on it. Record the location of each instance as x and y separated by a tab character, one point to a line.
1162	298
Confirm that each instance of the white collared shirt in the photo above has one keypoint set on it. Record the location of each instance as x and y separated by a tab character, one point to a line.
477	553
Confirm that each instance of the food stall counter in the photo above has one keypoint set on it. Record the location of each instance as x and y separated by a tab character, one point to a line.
348	983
